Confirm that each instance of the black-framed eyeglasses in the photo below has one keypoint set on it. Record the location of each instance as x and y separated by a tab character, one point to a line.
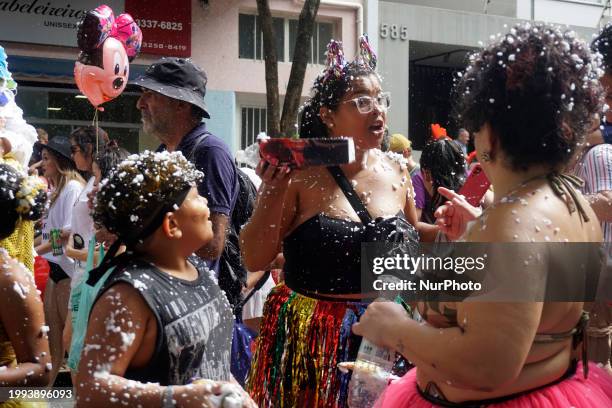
365	104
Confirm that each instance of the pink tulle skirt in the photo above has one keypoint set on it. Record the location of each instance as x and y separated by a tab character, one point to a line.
576	392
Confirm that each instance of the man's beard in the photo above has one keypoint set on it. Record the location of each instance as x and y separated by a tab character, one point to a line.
157	130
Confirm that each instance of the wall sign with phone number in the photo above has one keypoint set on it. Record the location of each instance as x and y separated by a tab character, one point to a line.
160	46
394	31
164	25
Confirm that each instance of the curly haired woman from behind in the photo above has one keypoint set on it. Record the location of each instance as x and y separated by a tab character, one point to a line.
529	98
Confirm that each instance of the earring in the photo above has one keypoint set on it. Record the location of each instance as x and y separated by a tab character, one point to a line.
331	125
486	156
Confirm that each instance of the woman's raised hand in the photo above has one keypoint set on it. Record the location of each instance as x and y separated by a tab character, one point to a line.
273	176
378	322
453	216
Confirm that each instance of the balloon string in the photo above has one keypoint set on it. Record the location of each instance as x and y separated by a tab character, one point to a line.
96	126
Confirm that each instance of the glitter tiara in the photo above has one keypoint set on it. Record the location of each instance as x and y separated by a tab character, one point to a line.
336	62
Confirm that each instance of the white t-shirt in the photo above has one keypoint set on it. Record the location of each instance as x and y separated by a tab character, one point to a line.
59	215
254	306
252	175
82	224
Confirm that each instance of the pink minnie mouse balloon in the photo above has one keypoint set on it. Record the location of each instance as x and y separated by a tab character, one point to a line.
107	45
95	28
102	84
128	32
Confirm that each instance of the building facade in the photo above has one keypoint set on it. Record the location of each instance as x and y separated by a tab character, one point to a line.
222	36
423	43
233	56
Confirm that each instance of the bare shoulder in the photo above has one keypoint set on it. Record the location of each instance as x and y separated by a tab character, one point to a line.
498	223
116	330
395	160
121	295
15	278
307	175
120	309
391	167
524	216
535	214
593	229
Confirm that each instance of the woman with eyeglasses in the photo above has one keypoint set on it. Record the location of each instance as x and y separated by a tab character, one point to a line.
309	215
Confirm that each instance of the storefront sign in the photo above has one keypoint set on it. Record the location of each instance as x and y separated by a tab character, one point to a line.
166	26
51	22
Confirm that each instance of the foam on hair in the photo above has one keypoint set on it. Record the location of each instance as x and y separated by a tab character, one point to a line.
20	197
139	186
537	87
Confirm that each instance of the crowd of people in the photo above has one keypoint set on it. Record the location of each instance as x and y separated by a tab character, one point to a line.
153	256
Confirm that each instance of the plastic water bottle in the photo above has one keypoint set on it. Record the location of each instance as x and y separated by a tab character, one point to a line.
371	374
372	371
250	155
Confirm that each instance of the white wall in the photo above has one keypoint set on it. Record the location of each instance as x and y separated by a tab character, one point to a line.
215	42
496	7
576	13
433	25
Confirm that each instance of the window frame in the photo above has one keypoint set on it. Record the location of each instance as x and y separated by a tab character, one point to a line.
287	57
244	141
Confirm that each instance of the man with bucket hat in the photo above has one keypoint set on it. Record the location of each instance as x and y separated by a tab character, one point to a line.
172	107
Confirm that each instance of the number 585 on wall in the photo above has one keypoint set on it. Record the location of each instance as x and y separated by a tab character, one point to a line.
393	31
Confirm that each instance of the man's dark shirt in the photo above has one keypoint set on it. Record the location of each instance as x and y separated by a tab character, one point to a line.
213	157
607	132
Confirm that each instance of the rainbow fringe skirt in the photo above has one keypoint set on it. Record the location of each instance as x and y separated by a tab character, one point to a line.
302	340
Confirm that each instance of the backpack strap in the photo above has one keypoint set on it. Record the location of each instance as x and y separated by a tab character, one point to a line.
197	144
351	194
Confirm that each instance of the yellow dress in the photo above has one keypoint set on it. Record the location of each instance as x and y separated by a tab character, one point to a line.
7	359
20	243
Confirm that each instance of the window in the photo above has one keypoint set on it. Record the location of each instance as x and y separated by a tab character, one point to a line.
322	34
251	38
254	121
60	110
251	42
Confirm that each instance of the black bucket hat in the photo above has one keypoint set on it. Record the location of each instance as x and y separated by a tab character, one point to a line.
60	145
177	78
